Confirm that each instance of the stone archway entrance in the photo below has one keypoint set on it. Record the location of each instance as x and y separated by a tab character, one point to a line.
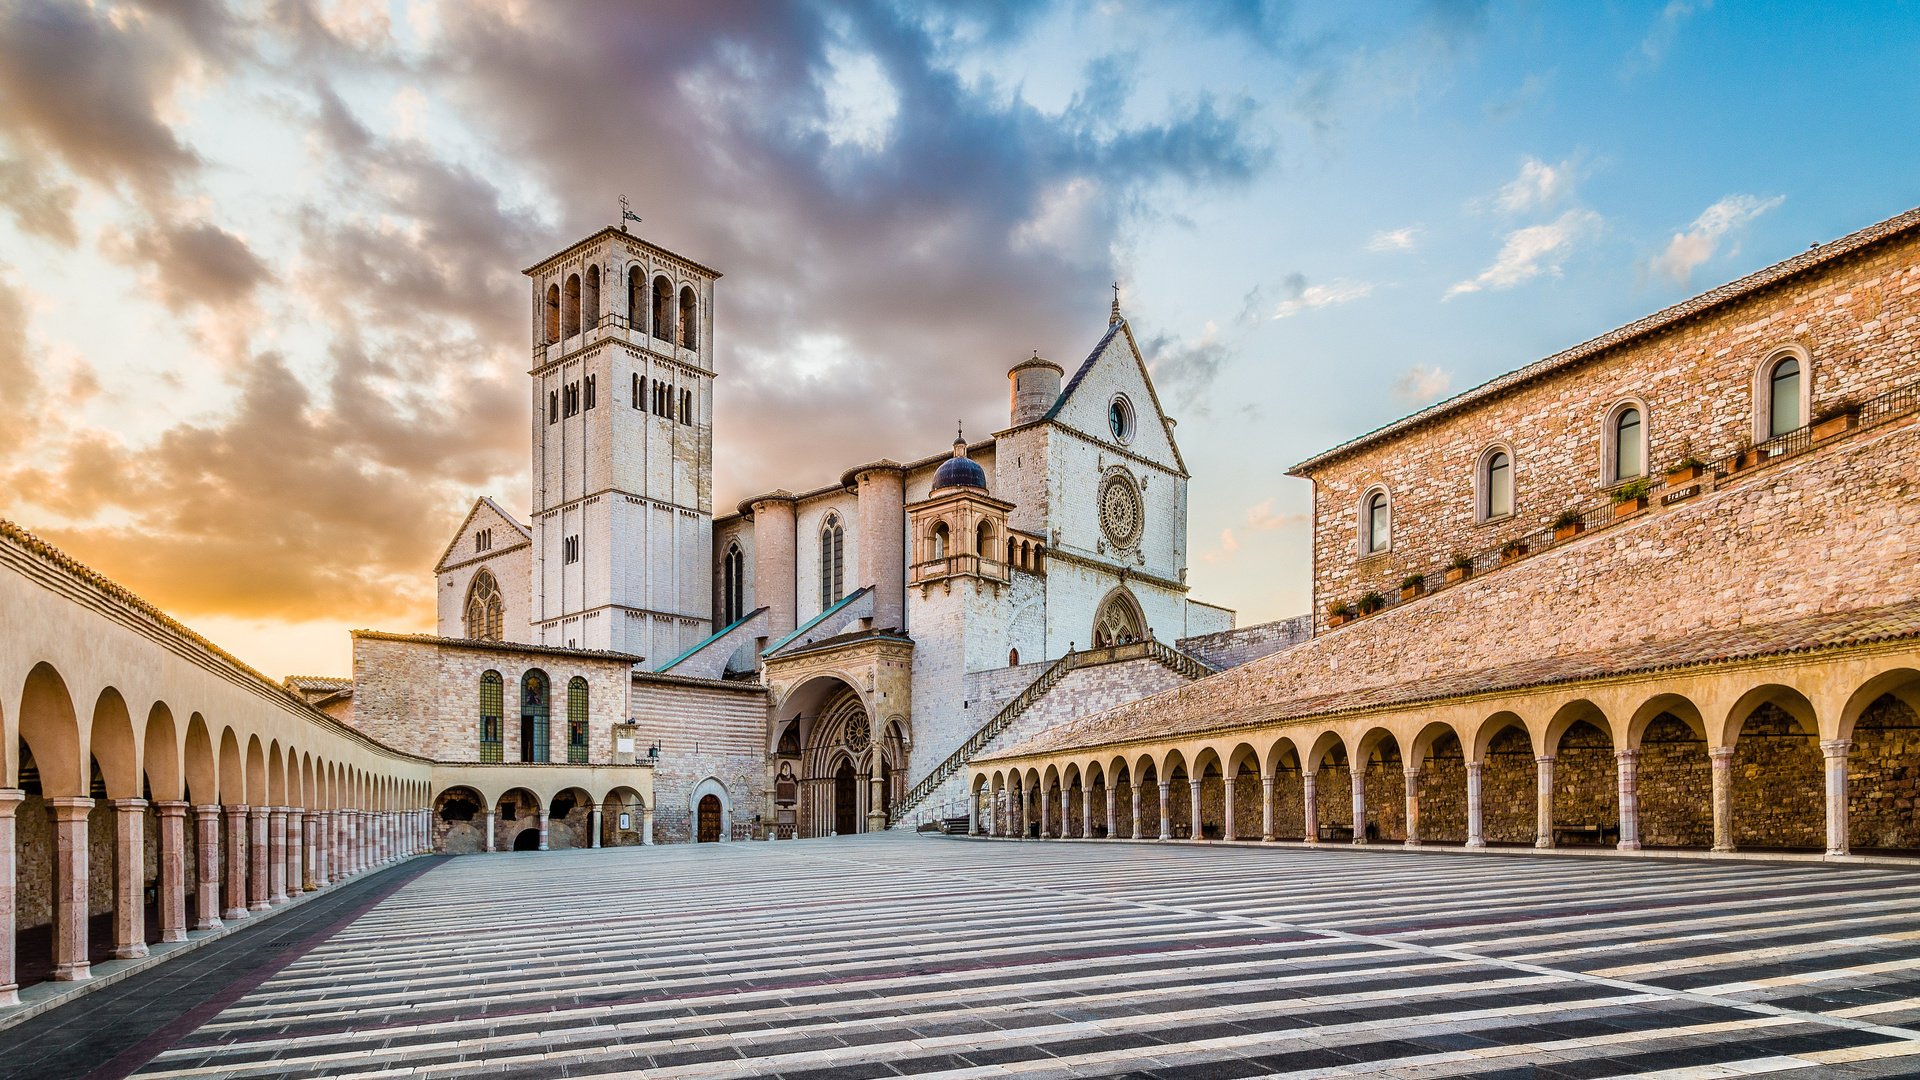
527	840
846	787
709	820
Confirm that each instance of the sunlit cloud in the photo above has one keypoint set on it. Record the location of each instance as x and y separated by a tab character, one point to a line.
1395	239
1701	240
1532	251
1422	384
1539	186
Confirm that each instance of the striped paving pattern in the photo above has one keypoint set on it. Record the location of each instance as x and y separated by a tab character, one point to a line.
896	955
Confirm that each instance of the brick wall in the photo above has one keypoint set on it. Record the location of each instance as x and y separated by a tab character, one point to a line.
1858	318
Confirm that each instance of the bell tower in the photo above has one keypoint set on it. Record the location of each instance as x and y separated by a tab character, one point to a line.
622	384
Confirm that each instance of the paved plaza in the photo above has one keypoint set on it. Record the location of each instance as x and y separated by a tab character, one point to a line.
899	955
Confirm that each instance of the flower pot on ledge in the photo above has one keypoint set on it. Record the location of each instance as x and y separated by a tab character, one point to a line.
1334	621
1685	474
1748	459
1512	554
1564	533
1629	506
1412	592
1457	574
1835	425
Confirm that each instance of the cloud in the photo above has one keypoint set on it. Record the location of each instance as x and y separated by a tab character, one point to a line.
1539	186
1185	371
1403	239
1261	517
1298	296
18	383
1665	30
1229	544
1529	252
195	264
1422	384
41	205
1687	250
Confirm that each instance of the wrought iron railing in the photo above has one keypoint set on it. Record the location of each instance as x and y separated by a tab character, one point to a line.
1673	488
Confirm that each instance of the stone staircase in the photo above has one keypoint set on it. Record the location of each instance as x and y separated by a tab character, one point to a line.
1088	681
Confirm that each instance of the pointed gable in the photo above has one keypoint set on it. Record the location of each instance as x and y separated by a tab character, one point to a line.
1116	367
508	534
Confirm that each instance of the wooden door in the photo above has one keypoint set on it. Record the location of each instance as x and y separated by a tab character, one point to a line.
709	819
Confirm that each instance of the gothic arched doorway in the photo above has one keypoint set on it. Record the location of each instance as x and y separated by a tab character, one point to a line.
846	818
709	818
1120	620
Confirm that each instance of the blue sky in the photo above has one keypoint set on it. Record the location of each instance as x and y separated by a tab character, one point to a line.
265	260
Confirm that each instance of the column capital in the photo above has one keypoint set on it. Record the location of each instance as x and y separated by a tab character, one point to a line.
10	799
1836	747
1543	759
236	808
69	806
171	807
127	805
1474	766
1412	772
1720	753
1627	755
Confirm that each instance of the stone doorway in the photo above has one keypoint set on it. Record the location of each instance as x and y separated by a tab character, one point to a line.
709	818
846	818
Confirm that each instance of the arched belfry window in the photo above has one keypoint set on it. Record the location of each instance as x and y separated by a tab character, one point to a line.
983	540
637	297
570	307
689	322
733	585
937	541
662	309
485	611
577	721
553	314
1780	392
492	706
535	700
590	316
1624	443
833	558
1376	522
1495	484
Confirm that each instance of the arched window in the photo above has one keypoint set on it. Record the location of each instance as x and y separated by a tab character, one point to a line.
1013	552
1026	555
590	317
534	699
636	298
1786	398
686	406
492	707
1119	621
570	307
1496	484
637	383
689	323
1013	657
1376	522
939	540
733	585
833	541
553	314
553	406
1120	419
662	309
983	540
1624	439
485	612
577	721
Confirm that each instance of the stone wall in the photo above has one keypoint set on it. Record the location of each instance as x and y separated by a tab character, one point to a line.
1858	318
1676	785
710	730
1883	777
1779	784
1231	648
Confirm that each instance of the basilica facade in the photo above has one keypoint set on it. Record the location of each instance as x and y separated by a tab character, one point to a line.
803	662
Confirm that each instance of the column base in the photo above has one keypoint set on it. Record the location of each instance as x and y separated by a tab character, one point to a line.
1543	842
1476	843
73	972
1839	851
233	914
169	937
9	995
1410	842
1628	845
1359	841
207	924
1267	838
1164	836
1721	847
277	899
258	905
130	952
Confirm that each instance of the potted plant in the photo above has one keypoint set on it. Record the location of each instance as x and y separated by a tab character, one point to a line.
1460	569
1631	497
1568	525
1371	603
1338	613
1749	456
1685	471
1413	585
1836	417
1512	551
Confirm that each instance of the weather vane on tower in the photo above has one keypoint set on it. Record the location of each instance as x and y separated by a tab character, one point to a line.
626	215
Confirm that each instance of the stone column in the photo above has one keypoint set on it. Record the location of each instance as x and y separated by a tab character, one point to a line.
1836	751
317	845
1358	772
1046	810
1019	798
973	814
206	894
1543	801
129	878
1193	801
1476	818
1133	797
259	880
1722	758
1066	814
876	798
349	855
277	854
10	799
173	869
646	826
489	830
1086	812
236	863
311	877
69	813
540	822
1413	807
1266	807
1113	811
593	822
1166	812
1310	806
1627	769
1229	787
296	851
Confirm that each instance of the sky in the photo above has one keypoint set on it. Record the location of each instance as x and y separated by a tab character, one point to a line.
264	336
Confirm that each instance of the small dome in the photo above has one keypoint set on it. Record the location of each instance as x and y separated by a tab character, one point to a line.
959	470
